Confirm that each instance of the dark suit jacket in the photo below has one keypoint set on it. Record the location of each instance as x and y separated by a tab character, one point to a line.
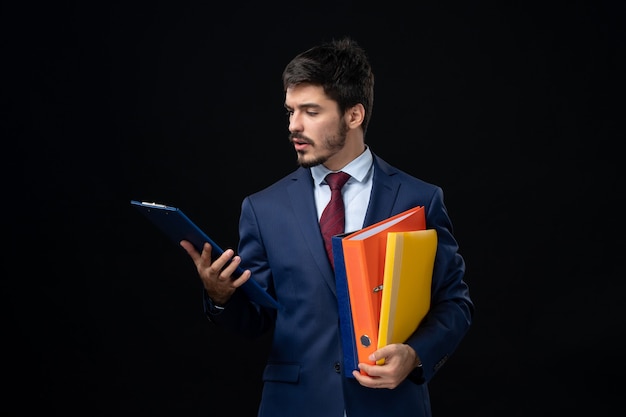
281	243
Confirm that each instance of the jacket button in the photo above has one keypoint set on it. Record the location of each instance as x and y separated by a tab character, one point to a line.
337	367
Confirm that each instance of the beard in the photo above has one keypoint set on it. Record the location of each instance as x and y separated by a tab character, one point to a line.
330	146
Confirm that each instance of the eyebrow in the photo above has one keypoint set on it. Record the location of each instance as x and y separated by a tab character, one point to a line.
304	106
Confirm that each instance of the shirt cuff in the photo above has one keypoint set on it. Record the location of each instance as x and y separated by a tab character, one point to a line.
210	306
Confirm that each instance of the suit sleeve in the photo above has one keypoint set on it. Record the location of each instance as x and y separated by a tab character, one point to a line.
452	310
240	315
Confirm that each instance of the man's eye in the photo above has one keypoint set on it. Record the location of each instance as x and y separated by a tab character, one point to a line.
289	113
312	113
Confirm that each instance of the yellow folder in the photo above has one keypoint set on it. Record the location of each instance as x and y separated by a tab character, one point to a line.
407	279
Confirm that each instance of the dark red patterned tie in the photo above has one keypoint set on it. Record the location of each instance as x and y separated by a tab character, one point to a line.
332	221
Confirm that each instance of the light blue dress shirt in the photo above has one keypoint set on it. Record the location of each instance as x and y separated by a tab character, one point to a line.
356	192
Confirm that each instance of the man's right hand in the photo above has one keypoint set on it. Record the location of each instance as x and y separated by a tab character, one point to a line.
217	276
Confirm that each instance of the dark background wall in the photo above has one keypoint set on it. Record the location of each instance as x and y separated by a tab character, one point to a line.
515	110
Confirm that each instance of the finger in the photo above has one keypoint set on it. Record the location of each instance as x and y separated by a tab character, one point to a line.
221	264
242	279
190	249
382	353
366	380
230	272
373	371
206	254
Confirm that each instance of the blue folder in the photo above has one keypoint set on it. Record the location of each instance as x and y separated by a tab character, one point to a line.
346	326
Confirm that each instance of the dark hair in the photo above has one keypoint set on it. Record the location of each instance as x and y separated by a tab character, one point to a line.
342	68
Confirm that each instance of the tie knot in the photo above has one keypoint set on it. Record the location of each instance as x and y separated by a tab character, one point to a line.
336	180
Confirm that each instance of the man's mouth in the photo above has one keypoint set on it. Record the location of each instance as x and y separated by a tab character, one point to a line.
300	145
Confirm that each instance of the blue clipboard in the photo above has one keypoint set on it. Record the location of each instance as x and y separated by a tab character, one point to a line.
177	226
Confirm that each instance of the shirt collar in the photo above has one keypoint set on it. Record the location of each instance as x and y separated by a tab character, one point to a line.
357	168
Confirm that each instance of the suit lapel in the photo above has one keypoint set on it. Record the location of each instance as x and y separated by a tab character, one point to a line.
385	189
303	201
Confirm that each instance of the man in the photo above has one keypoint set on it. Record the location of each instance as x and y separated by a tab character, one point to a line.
329	99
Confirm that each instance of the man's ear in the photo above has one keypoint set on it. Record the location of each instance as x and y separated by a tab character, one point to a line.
355	115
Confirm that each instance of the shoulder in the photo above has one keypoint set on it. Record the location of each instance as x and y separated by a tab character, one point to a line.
297	185
386	172
298	177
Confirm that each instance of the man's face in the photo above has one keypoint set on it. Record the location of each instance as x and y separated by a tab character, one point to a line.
317	130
